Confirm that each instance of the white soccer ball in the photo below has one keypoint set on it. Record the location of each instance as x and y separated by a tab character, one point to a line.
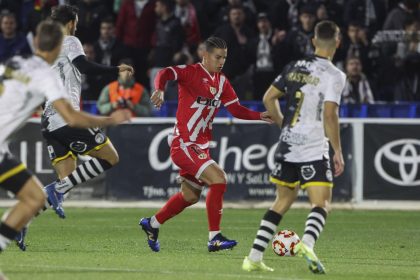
284	243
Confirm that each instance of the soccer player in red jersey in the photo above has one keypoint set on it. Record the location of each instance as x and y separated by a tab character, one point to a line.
202	88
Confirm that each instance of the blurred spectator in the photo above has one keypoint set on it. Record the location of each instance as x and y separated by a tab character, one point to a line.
247	7
264	71
299	40
198	55
169	36
91	86
11	42
186	13
125	93
237	36
135	27
171	90
355	44
399	15
12	6
40	11
330	10
357	89
407	60
90	14
108	49
284	14
369	13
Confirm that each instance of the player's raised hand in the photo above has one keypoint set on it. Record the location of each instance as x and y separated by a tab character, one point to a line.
266	117
157	98
120	116
125	67
338	164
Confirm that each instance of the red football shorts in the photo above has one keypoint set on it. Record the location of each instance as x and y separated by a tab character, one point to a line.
192	160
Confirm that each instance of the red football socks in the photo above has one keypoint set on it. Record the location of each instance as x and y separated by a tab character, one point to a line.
214	205
173	207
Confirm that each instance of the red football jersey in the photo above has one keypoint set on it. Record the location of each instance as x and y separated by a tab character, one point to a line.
200	95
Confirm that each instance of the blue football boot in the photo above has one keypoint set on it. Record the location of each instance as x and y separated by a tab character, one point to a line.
151	233
219	242
55	199
20	239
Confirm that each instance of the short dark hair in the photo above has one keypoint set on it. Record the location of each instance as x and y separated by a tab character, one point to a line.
170	5
108	19
64	13
326	30
7	14
215	43
49	34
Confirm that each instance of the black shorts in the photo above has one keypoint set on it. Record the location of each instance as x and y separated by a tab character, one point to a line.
69	142
305	174
13	174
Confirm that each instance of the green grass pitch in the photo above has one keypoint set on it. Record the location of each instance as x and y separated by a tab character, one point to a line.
107	244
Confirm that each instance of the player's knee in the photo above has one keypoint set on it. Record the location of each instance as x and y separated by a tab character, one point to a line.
220	178
33	197
193	199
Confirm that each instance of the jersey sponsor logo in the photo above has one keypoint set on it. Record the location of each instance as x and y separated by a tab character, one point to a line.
293	138
208	101
78	146
404	154
307	171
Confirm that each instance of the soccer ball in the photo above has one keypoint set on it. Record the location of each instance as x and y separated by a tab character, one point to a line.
284	243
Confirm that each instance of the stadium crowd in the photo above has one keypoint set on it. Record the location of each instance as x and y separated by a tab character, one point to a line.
262	37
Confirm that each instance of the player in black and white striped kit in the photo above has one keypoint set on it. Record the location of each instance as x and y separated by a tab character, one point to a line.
312	87
25	84
65	143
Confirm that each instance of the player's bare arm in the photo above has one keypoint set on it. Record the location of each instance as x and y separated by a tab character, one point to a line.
83	120
271	103
332	131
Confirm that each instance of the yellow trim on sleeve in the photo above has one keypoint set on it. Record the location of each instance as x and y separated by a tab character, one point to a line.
317	184
283	183
12	172
69	154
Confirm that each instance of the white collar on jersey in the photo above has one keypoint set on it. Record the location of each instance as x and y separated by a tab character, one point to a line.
208	73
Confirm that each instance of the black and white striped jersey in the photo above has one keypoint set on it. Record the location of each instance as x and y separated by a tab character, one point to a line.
25	84
71	78
307	84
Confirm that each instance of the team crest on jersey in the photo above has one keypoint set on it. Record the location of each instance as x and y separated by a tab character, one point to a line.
307	171
202	156
205	80
213	90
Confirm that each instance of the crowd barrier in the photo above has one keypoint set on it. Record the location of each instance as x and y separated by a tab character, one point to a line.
382	160
377	110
